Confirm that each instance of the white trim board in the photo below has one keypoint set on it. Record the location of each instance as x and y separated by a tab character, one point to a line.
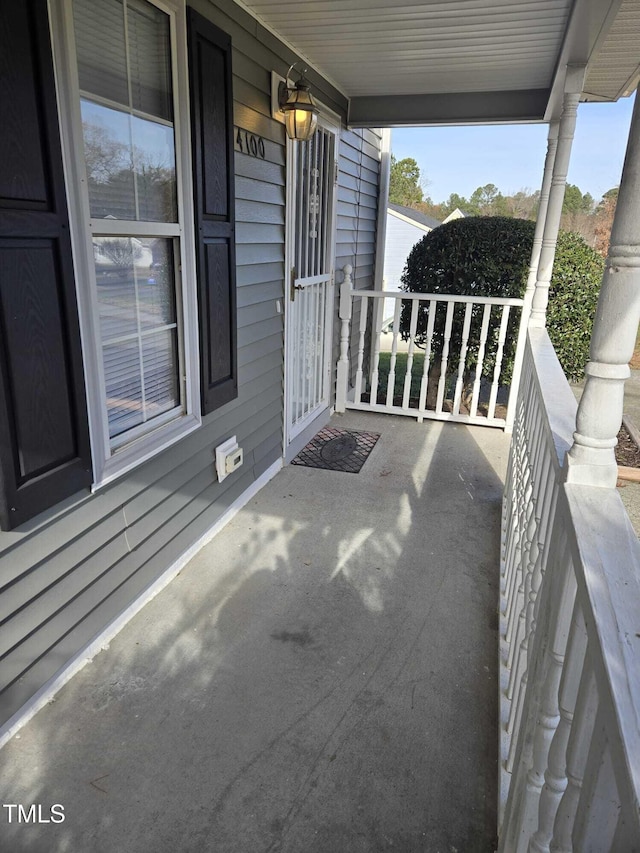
101	641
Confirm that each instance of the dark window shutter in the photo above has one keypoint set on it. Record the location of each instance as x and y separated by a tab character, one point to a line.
212	129
44	437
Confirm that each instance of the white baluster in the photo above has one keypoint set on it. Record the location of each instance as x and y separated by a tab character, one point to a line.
502	336
511	532
484	331
377	331
424	382
364	312
581	724
529	523
342	373
525	514
445	357
457	396
533	583
507	525
394	352
516	615
599	808
543	713
412	345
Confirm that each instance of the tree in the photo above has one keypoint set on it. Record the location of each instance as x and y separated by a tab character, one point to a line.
404	182
454	202
522	204
486	201
604	213
490	256
611	195
122	252
575	201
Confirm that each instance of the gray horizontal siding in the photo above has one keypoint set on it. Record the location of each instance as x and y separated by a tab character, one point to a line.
71	571
357	212
74	569
264	291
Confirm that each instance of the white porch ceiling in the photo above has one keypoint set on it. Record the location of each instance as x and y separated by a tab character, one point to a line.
501	60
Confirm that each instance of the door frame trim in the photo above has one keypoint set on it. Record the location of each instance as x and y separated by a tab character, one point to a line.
332	124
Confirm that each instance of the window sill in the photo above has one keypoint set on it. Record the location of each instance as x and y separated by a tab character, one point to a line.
138	452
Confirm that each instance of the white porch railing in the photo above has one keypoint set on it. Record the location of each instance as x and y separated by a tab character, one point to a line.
570	656
457	374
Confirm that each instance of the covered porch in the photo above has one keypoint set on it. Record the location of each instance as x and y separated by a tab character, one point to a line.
323	676
389	660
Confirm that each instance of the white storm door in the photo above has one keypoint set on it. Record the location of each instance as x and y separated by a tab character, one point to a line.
312	171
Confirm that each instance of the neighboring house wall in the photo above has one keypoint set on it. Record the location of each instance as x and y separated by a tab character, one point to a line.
401	237
400	240
455	214
68	573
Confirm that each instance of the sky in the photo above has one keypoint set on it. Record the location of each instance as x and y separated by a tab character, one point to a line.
459	159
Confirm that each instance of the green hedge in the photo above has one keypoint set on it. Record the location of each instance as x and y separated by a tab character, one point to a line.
490	256
573	298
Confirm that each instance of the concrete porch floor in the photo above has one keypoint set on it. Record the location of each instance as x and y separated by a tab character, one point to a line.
321	678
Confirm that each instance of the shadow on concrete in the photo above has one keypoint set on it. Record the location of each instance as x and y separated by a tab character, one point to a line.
322	677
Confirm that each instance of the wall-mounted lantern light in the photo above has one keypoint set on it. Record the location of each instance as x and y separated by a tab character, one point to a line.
299	108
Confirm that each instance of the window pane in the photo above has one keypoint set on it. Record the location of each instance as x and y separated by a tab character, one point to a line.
156	283
109	160
149	59
114	262
136	288
125	74
160	376
123	380
136	302
130	158
131	165
155	170
100	47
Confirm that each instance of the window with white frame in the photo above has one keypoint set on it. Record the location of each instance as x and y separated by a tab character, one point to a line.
138	315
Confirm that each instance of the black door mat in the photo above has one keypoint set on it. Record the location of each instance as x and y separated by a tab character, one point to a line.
337	449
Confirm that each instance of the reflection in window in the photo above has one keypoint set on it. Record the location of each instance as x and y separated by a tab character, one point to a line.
126	99
136	301
124	54
124	69
130	165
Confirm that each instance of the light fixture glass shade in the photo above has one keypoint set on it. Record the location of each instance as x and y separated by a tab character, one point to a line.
300	112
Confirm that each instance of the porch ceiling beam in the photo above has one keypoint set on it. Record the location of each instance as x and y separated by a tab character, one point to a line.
589	24
527	105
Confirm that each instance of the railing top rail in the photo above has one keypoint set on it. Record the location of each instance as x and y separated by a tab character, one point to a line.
560	402
608	576
439	297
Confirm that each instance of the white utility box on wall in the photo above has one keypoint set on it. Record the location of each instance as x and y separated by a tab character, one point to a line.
228	457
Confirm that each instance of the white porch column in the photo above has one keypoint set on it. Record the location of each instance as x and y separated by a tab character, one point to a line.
552	147
541	219
591	460
566	129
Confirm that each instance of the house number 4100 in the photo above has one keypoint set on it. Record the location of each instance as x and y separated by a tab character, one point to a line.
249	143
